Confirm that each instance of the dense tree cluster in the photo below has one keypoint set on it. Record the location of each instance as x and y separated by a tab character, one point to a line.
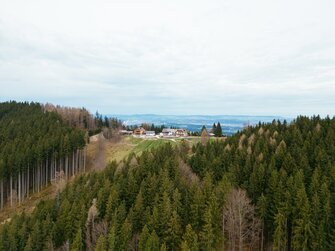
35	145
288	170
269	187
151	202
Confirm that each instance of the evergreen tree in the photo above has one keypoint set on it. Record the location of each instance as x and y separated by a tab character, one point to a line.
302	226
125	235
145	235
77	244
207	236
173	233
112	239
101	244
218	130
190	239
280	239
138	212
261	208
152	242
213	128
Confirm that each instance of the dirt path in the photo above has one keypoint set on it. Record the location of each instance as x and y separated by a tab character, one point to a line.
99	161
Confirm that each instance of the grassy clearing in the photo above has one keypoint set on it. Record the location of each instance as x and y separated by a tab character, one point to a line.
118	151
128	144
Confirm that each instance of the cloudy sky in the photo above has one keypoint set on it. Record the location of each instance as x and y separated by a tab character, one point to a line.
255	57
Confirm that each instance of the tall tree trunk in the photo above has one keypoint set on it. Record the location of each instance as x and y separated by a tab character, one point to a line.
73	163
33	178
39	177
47	172
262	237
11	191
28	183
1	193
19	188
223	239
77	160
240	238
66	167
85	159
23	186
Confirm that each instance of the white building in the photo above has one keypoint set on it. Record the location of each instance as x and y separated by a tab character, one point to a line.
150	133
169	132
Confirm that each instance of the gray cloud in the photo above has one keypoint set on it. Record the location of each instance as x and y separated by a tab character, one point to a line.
232	57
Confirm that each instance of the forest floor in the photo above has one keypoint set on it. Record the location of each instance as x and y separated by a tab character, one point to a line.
28	205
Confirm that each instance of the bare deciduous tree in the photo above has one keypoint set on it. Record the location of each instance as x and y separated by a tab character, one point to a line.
187	172
91	232
251	139
100	228
204	136
241	141
78	117
240	223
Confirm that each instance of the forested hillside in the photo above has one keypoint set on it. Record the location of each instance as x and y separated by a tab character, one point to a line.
289	173
36	147
269	187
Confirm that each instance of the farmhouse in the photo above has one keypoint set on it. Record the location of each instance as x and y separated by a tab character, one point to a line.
139	131
181	133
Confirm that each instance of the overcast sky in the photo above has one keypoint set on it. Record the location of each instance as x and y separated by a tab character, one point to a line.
256	57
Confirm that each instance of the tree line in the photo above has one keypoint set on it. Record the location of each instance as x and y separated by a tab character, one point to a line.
81	118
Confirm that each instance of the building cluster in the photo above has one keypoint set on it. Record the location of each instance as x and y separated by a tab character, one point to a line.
166	133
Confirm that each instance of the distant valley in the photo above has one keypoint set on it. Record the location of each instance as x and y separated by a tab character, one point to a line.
230	123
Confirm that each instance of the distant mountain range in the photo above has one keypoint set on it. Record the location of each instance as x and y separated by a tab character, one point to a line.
230	123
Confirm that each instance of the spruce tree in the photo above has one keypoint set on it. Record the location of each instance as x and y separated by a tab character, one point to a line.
125	234
190	239
173	234
101	244
207	237
280	238
218	130
145	235
152	242
112	239
77	244
214	128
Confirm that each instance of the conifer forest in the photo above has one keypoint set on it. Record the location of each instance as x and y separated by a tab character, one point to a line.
268	187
